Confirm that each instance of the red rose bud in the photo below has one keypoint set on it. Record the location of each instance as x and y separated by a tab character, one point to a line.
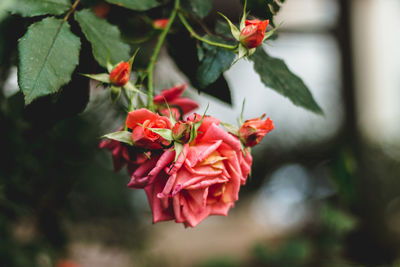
181	131
121	74
253	33
160	24
252	131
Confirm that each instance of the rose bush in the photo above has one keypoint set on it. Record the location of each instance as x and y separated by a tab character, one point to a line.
205	180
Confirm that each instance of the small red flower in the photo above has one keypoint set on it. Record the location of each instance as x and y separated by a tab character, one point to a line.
140	121
253	33
120	75
252	131
160	24
66	263
101	10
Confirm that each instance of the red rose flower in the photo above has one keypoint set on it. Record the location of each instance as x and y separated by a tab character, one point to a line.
252	131
140	121
179	105
205	180
160	24
120	75
253	33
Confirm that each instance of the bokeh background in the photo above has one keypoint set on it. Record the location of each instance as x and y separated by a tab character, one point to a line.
324	190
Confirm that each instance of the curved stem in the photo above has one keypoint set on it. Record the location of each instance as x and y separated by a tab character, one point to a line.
150	68
71	10
198	37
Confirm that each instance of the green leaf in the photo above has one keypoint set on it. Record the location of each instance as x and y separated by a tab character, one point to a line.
140	5
201	7
101	77
215	62
121	136
31	8
104	37
48	54
234	30
275	74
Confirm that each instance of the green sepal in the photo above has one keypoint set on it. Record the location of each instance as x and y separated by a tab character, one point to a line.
164	133
231	128
115	93
240	119
133	58
121	136
178	150
171	116
243	19
271	32
109	65
196	126
234	30
101	77
130	87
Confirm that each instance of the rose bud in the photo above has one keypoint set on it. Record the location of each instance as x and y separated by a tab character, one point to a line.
252	131
181	131
119	76
160	24
253	33
101	10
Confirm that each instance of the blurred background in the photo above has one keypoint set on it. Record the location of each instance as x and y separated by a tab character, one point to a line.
324	190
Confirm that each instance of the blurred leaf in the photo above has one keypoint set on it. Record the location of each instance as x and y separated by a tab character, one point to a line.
140	5
4	6
104	38
276	75
215	62
48	54
337	220
30	8
265	9
201	7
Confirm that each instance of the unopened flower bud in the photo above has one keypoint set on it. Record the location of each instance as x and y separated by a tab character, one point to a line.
120	75
181	131
252	131
253	33
160	24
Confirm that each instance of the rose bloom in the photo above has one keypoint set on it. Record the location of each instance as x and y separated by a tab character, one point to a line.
120	75
160	24
253	131
205	180
140	121
253	33
179	105
66	263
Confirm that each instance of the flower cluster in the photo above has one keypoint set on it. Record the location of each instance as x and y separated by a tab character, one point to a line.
189	168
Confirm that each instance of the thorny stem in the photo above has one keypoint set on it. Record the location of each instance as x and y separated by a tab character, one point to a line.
71	10
198	37
150	68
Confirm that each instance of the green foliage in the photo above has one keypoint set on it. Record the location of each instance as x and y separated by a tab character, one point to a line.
104	38
140	5
201	7
4	6
48	54
276	75
214	63
30	8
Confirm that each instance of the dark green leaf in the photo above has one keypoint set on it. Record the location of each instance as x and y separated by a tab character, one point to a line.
215	62
30	8
201	7
275	74
121	136
140	5
104	37
48	54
